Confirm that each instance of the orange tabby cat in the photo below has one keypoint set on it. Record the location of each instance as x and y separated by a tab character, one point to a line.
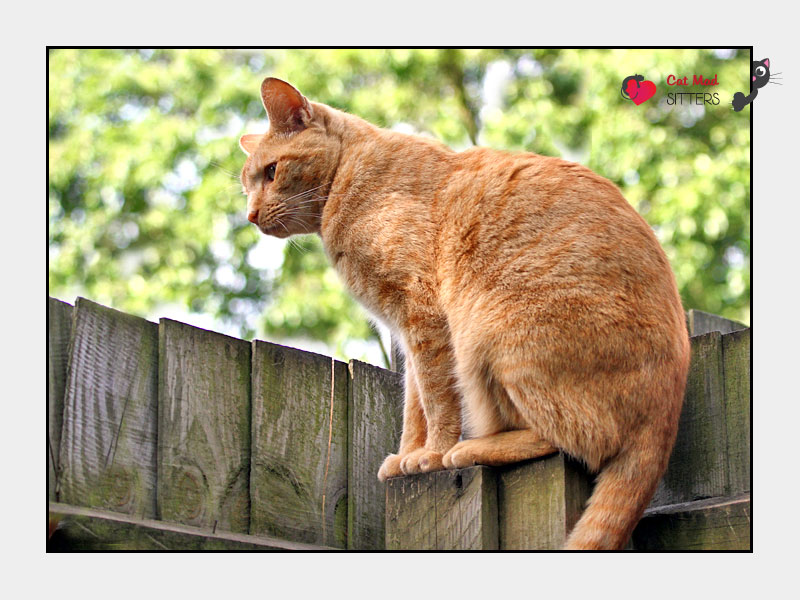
534	305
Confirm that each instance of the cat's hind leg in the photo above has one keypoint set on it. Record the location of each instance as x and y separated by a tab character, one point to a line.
499	435
497	449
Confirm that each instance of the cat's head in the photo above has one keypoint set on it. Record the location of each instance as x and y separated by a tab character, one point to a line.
759	73
289	169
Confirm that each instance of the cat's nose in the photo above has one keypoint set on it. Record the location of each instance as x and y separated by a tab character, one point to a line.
252	216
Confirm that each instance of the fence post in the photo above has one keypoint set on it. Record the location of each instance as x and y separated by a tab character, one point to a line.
443	510
540	502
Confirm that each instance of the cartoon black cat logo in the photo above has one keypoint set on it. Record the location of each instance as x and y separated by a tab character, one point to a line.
759	77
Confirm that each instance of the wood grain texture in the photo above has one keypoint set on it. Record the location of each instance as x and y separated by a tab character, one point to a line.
294	417
736	366
715	524
466	509
203	428
444	510
375	422
59	328
698	465
81	530
108	443
702	322
540	501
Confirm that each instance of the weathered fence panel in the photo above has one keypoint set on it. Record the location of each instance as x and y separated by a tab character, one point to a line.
108	443
540	501
298	478
59	327
736	366
259	446
375	422
443	510
203	428
698	465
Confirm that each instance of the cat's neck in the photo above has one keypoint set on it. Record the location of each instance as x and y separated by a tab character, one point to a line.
375	161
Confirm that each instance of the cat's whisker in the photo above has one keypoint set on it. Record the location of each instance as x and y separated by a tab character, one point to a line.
775	83
310	200
223	169
279	222
307	203
301	214
306	192
294	219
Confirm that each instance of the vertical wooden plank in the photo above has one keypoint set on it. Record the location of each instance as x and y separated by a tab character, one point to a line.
444	510
203	428
108	443
299	459
698	465
375	422
540	501
466	509
411	512
59	327
736	367
702	322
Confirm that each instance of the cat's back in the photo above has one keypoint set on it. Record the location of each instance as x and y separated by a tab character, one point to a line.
551	239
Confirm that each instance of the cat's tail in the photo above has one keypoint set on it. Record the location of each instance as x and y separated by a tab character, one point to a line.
622	491
628	480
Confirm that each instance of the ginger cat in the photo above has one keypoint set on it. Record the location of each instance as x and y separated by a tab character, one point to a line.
534	305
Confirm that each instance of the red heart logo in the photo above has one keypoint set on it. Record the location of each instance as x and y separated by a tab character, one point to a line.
645	91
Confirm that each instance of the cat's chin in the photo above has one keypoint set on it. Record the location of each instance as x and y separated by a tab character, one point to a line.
275	231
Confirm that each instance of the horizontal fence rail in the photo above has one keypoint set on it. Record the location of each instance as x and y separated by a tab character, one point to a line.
168	436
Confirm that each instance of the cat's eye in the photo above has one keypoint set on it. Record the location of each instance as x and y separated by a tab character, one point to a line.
760	71
270	171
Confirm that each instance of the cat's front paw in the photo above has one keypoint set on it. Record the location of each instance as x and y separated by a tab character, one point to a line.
458	457
421	460
390	467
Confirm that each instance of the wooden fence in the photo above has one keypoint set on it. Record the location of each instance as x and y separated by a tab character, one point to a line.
167	436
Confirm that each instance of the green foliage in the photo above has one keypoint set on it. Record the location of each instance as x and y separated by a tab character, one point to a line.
145	209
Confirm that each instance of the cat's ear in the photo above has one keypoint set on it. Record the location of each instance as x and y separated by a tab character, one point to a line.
288	110
249	142
766	62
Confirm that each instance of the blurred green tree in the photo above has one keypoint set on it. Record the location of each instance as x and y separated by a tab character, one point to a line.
145	208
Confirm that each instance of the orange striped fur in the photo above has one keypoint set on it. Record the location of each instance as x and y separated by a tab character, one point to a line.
535	306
